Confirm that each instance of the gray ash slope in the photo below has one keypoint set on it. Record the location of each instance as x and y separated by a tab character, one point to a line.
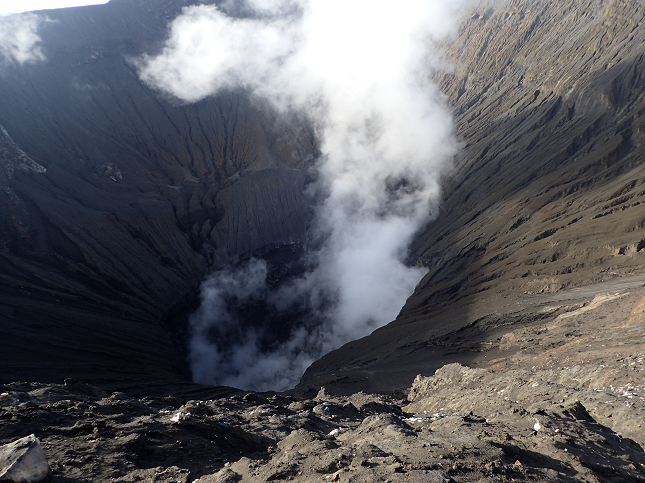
117	202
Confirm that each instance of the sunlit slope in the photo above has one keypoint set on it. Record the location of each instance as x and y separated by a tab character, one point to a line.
548	191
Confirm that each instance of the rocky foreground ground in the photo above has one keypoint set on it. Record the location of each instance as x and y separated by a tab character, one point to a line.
560	398
517	427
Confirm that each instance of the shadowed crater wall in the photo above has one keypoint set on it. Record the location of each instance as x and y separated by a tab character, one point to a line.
117	202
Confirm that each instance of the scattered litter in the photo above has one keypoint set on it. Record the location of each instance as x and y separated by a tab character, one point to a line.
180	416
337	431
537	426
415	420
628	391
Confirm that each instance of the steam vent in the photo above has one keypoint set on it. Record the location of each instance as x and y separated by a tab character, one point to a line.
312	240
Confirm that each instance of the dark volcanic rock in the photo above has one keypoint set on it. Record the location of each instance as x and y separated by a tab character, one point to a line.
117	201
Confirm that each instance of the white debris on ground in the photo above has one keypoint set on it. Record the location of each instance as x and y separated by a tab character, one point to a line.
180	416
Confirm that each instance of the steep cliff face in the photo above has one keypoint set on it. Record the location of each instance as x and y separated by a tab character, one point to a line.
549	101
546	194
117	201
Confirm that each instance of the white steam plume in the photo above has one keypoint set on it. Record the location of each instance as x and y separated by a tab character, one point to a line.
360	69
19	39
223	351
